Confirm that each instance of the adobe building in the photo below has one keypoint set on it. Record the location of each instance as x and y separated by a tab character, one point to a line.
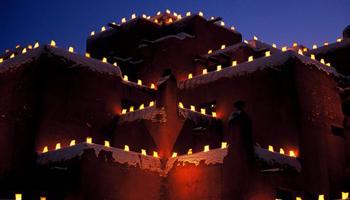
173	107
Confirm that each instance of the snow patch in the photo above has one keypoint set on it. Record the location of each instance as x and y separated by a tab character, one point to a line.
196	117
151	113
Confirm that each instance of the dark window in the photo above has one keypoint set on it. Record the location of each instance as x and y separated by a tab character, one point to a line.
209	107
284	194
337	130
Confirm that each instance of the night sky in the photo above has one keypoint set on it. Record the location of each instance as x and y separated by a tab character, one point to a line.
69	22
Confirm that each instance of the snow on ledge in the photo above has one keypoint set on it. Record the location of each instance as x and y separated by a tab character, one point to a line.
119	155
196	117
273	158
214	156
151	113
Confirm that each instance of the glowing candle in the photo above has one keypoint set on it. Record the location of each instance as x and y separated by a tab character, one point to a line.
339	39
274	45
188	14
322	61
89	140
104	60
131	109
71	49
139	82
205	71
167	11
300	52
218	68
155	154
151	103
314	46
72	143
103	28
126	148
210	51
153	86
213	114
189	152
281	151
203	111
223	145
325	44
87	55
223	46
313	56
115	64
179	17
200	13
292	154
271	148
267	53
133	16
298	198
1	60
193	108
143	152
222	23
42	198
255	38
328	64
250	58
144	16
18	196
344	195
12	55
36	45
321	197
123	20
92	33
232	28
181	105
124	111
206	148
107	144
58	146
174	155
295	44
234	63
24	51
46	149
125	78
158	13
142	106
190	75
284	49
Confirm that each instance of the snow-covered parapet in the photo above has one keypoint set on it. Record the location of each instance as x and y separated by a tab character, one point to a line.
196	117
119	155
331	47
274	61
151	113
214	156
274	159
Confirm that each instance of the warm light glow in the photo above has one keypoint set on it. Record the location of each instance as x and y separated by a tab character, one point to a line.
72	143
189	152
232	28
151	103
170	20
24	51
18	46
179	17
181	105
223	46
305	49
115	64
92	33
271	148
158	13
142	106
322	61
126	148
89	140
267	53
153	86
143	152
123	20
295	44
107	144
205	71
292	154
58	146
339	39
298	198
234	63
144	16
125	78
174	155
131	109
274	45
222	23
321	197
87	55
104	60
213	114
328	64
103	28
284	49
245	41
139	82
300	52
193	108
167	11
200	13
133	16
210	51
1	60
53	43
206	148
281	151
124	111
71	49
155	154
218	68
314	46
344	195
42	198
30	46
12	55
190	75
18	196
188	14
250	58
313	56
203	111
223	145
46	149
36	45
255	38
325	44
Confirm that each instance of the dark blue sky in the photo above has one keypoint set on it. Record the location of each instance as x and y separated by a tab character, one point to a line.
69	22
